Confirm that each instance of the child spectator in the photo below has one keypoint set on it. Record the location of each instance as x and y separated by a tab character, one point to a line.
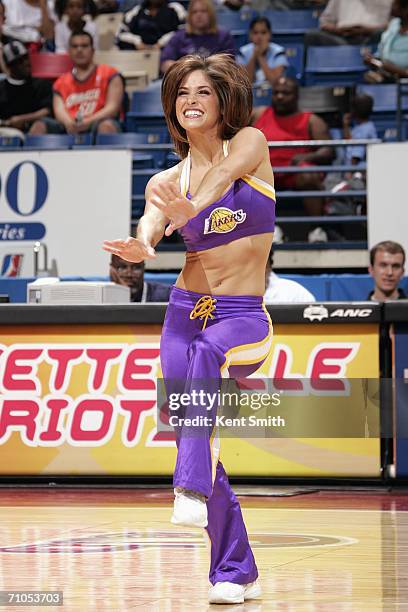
72	19
357	125
263	59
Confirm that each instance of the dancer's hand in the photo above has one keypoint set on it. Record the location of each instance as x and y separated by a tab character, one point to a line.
131	249
169	199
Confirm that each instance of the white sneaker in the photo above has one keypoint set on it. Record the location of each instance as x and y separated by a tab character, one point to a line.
278	235
189	510
317	235
230	593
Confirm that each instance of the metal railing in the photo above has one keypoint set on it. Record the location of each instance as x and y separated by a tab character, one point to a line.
297	194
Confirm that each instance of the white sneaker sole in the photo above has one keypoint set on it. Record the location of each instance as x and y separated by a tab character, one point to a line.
252	592
184	523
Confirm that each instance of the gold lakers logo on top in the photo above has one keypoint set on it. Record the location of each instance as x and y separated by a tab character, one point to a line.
223	220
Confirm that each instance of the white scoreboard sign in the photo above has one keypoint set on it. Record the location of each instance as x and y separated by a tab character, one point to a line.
68	200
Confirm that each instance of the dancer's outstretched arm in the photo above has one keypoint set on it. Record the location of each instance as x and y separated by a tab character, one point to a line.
150	229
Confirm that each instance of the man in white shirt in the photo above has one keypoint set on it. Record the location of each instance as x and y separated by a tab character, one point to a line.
282	289
29	20
351	23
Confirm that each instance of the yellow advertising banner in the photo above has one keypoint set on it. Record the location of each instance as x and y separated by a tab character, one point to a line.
83	400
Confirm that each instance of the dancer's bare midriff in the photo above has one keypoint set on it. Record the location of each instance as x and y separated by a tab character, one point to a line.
236	268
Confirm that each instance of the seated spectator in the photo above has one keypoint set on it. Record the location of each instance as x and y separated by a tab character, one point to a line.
387	261
359	22
263	59
150	24
88	99
357	125
71	14
23	99
284	121
31	21
391	60
200	36
3	38
132	275
282	289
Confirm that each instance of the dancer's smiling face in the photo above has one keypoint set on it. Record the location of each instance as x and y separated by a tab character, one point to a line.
197	105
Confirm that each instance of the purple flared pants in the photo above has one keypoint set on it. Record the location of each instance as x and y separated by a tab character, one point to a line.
235	341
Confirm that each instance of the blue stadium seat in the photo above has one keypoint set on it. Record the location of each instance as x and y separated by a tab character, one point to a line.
10	142
385	108
295	53
384	96
290	26
172	159
132	140
84	139
337	65
233	20
140	178
49	141
237	23
262	95
147	101
145	108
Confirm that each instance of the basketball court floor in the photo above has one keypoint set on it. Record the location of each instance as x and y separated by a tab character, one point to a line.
115	549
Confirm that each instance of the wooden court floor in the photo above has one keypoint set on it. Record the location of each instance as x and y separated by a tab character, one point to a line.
115	549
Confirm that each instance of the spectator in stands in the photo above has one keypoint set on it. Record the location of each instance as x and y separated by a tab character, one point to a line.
31	21
23	99
201	36
391	59
88	99
132	275
359	22
282	289
387	261
284	121
3	38
71	14
263	59
357	125
150	24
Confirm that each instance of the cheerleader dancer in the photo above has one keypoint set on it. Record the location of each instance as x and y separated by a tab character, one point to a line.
221	199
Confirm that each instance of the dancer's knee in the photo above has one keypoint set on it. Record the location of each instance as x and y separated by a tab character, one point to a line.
203	345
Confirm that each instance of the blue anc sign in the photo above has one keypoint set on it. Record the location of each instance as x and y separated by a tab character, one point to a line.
13	186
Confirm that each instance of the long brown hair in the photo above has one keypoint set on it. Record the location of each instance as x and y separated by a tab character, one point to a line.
212	27
231	85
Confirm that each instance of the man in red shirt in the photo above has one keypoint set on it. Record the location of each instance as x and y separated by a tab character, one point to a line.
88	99
284	121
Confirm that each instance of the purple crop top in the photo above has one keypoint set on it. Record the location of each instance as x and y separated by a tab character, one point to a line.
248	208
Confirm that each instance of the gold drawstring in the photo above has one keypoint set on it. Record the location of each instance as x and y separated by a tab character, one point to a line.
204	309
